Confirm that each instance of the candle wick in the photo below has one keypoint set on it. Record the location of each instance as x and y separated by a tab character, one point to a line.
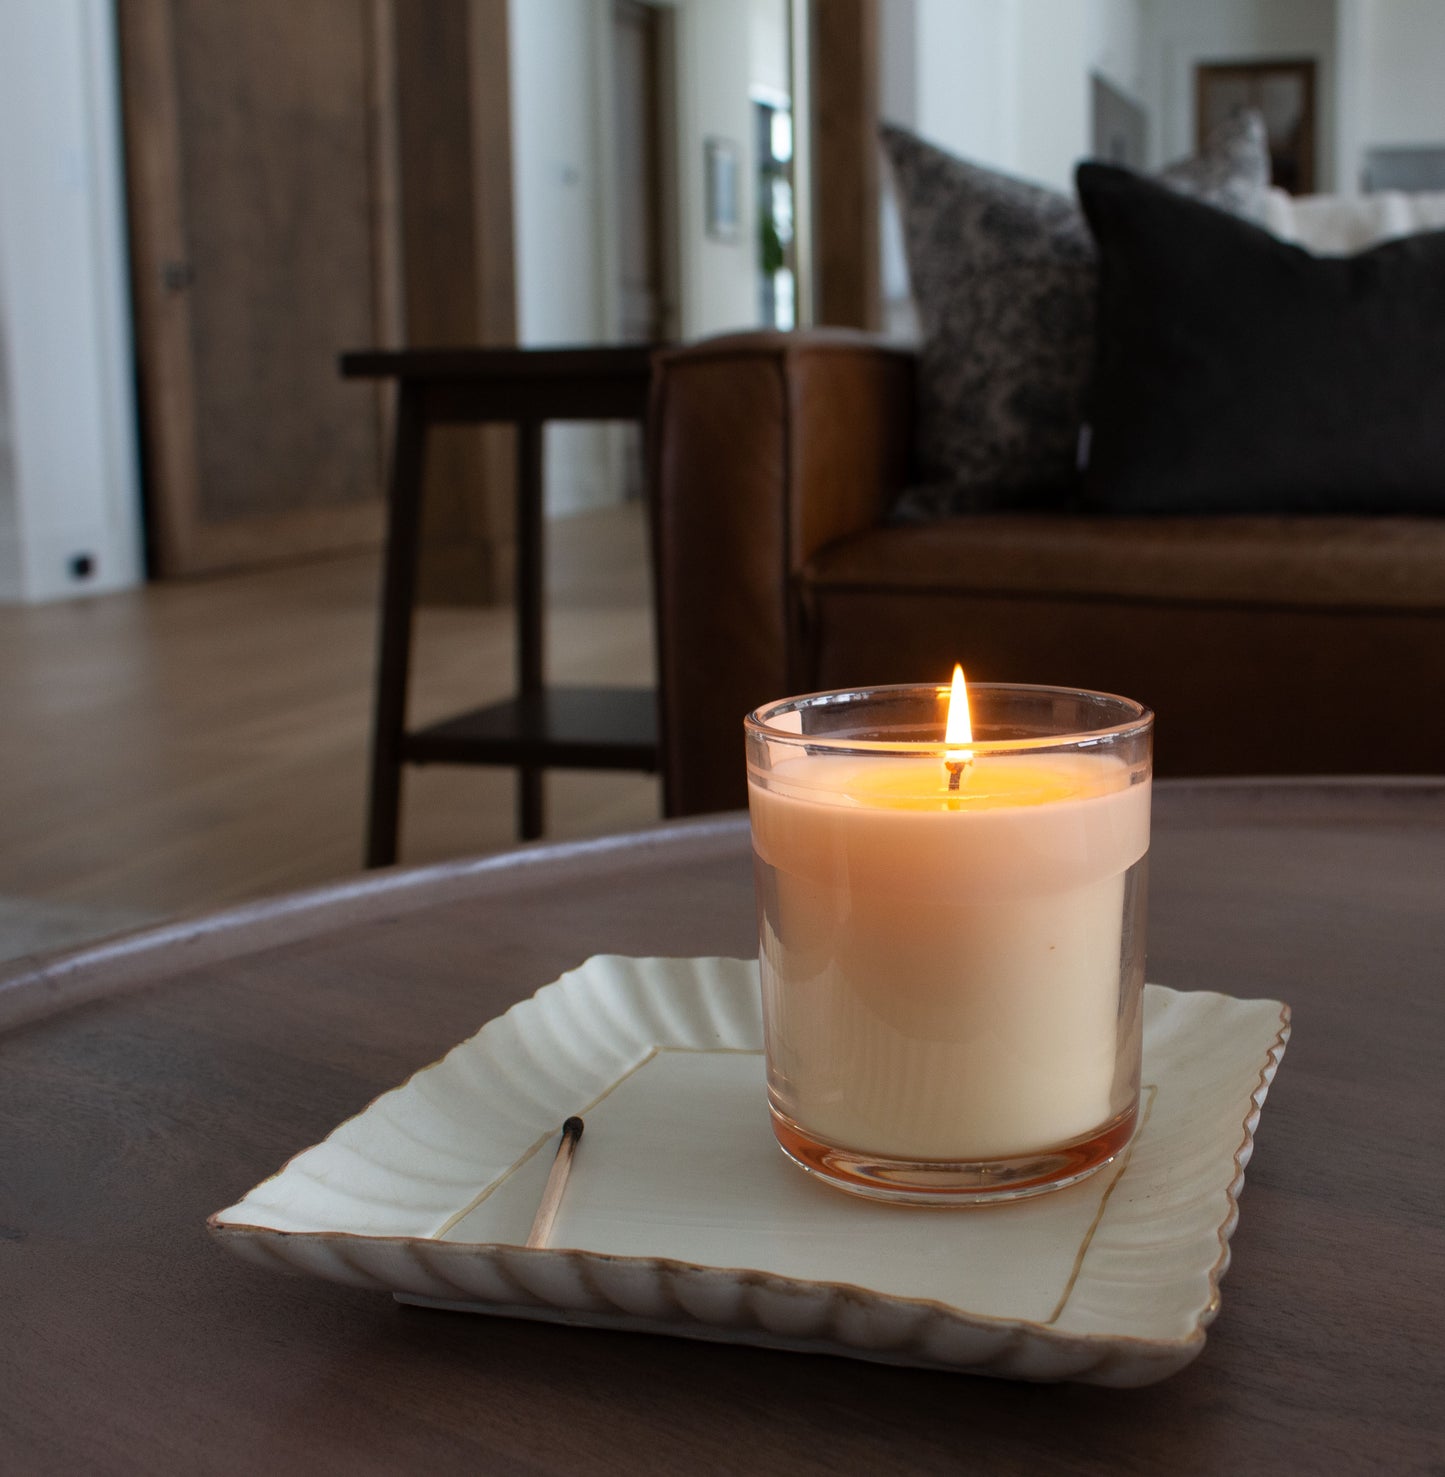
955	773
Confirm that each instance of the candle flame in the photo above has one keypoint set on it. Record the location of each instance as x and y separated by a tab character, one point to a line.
959	729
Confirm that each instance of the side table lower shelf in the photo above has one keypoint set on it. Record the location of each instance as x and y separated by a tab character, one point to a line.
586	727
552	728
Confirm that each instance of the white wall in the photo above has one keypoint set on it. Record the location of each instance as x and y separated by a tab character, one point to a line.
1059	45
898	61
558	193
1006	82
719	286
558	96
69	484
1115	42
561	110
12	577
1389	57
966	75
1402	94
1051	65
1354	22
769	51
556	181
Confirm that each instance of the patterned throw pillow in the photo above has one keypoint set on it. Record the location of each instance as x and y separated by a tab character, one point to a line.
1005	280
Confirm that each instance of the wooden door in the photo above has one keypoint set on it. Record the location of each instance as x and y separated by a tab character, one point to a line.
643	216
263	244
637	97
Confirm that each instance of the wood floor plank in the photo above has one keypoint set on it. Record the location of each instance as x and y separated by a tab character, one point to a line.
195	743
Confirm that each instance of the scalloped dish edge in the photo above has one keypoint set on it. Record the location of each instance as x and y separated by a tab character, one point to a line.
749	1305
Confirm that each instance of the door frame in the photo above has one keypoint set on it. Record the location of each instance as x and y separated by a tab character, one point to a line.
605	163
1302	160
616	439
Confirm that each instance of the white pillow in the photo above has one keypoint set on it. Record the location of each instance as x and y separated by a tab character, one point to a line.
1341	225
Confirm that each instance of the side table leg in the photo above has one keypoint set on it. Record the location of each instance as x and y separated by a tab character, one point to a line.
394	638
530	814
531	610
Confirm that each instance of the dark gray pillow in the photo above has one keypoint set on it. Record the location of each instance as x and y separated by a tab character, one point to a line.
1240	374
1004	276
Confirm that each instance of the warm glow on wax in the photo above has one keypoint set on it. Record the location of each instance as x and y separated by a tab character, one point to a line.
959	729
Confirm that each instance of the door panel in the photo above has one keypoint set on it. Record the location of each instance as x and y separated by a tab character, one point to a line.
263	243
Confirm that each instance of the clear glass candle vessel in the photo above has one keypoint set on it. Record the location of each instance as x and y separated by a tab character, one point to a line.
951	938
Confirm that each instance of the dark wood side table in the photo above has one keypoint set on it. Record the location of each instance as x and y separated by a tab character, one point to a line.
148	1082
540	727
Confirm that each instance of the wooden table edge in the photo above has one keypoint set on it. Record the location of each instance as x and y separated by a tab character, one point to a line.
35	987
39	986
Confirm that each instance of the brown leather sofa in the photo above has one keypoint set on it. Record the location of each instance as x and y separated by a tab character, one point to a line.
1266	645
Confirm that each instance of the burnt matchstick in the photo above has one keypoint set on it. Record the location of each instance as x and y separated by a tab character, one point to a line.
556	1185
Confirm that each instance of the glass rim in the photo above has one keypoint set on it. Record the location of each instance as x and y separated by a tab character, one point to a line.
756	722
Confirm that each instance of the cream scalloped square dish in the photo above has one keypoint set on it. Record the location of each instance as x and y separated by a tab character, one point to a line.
683	1217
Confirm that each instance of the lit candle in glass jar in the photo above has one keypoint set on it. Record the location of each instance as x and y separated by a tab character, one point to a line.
951	934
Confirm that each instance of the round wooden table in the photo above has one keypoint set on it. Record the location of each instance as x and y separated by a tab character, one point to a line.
148	1082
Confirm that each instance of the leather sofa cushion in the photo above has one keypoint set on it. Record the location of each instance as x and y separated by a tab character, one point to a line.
1292	562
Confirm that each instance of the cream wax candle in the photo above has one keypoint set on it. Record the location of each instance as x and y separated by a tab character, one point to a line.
951	938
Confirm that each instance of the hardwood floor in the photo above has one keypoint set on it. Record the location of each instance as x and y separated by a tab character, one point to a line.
195	743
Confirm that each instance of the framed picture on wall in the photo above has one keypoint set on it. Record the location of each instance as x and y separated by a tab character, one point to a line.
720	157
1284	92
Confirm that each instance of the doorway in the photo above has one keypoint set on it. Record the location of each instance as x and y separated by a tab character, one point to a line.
640	219
1283	92
638	129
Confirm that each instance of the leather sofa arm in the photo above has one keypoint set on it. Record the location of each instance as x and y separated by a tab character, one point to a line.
762	448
